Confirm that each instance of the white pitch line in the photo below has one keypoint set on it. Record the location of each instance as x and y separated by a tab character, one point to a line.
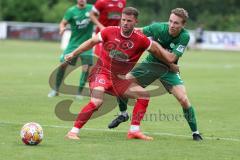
124	131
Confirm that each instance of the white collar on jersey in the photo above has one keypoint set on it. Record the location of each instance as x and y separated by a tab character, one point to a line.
124	35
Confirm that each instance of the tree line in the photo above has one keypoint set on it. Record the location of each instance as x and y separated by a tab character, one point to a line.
221	15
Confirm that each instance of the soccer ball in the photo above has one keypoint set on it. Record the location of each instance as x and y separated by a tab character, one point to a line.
31	133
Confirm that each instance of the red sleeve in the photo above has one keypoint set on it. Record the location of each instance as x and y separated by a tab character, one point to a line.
99	5
104	34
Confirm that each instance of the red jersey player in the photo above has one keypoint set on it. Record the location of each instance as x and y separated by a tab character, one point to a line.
106	13
122	47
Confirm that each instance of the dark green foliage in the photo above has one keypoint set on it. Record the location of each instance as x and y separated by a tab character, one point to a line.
17	10
214	14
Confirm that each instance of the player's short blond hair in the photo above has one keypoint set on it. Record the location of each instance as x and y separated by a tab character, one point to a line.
181	13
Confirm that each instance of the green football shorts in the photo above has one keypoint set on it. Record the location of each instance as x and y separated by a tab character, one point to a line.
86	58
146	73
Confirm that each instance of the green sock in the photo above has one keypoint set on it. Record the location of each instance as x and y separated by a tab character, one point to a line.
122	103
189	115
59	77
83	80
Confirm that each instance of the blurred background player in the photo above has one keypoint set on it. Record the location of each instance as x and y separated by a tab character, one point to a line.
116	59
199	33
173	38
81	30
106	13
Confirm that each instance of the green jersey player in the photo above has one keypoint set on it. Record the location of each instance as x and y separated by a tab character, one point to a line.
173	39
81	30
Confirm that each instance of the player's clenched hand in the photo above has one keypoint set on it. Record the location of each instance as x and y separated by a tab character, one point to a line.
68	57
174	68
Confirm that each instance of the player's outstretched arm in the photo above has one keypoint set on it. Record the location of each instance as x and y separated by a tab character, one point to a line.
83	47
94	19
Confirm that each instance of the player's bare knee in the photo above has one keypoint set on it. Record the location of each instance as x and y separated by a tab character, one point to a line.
97	102
143	94
85	68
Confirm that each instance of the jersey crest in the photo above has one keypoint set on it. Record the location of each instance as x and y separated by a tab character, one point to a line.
120	4
180	48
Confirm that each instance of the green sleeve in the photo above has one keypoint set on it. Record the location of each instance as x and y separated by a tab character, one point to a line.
151	29
179	48
68	15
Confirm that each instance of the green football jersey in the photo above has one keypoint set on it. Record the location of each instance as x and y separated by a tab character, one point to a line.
81	26
159	33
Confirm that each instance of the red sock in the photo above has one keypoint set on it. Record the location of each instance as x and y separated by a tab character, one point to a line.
85	115
139	111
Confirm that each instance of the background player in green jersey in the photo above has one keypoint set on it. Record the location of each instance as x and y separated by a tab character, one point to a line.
173	39
77	17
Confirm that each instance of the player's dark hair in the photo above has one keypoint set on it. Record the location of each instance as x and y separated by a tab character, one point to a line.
181	13
131	11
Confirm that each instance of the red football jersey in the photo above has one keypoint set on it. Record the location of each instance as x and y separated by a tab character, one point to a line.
120	53
109	11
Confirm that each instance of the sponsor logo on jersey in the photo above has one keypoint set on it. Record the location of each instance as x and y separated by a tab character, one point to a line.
82	23
114	15
118	55
181	48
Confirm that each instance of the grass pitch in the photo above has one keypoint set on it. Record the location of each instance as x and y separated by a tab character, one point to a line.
212	81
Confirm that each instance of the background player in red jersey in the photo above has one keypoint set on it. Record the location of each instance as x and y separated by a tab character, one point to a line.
123	46
106	13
